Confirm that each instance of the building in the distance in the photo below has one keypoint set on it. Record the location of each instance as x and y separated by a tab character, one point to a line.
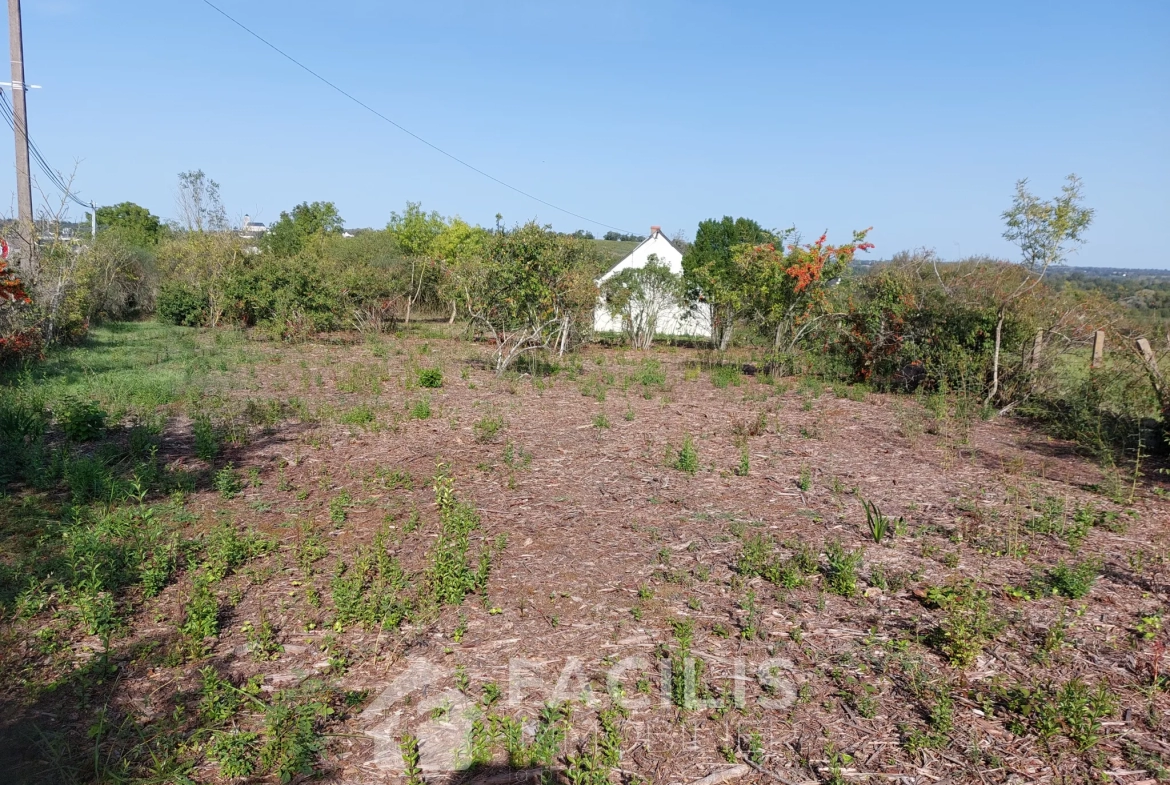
252	229
692	320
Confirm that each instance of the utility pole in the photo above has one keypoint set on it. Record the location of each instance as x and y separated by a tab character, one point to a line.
24	201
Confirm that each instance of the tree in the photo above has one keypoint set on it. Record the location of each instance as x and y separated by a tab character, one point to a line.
416	232
526	289
1046	233
638	295
711	274
458	245
199	204
289	235
785	292
134	224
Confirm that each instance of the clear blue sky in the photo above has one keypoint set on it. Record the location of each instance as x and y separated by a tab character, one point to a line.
913	117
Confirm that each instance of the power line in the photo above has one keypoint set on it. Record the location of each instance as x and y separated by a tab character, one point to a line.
405	130
54	178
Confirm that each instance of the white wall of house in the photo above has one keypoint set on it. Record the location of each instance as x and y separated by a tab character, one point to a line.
672	320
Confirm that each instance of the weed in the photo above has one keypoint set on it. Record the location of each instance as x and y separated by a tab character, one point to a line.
745	465
361	415
206	438
487	427
841	568
421	409
967	623
292	743
431	378
601	422
805	480
879	525
411	759
687	458
597	756
339	507
1073	580
201	617
235	752
227	482
262	643
82	421
1073	708
723	376
516	457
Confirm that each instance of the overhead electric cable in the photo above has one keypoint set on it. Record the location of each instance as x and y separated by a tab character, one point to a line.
54	177
405	130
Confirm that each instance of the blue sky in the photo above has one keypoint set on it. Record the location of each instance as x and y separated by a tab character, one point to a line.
913	117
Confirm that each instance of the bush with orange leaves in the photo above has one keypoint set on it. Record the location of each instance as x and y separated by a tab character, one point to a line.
786	291
19	338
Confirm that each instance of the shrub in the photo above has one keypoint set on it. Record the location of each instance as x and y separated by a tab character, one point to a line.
82	421
178	303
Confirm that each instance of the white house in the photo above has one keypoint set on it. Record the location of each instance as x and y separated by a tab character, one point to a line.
672	319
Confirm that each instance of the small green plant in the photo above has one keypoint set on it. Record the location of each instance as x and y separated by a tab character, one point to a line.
516	457
82	421
262	643
431	378
1074	709
841	568
601	422
421	409
491	693
361	415
339	507
1073	580
228	482
880	527
967	623
723	376
235	752
292	741
687	459
201	617
488	427
745	464
805	480
206	438
598	755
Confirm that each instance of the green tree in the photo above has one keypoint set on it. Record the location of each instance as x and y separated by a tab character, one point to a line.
639	295
289	236
134	224
527	288
1046	233
416	233
711	274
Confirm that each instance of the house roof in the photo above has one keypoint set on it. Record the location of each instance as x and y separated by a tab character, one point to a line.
657	244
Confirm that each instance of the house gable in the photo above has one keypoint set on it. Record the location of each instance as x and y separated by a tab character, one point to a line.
655	244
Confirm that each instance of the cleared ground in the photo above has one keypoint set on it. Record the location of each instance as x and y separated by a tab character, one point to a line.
622	515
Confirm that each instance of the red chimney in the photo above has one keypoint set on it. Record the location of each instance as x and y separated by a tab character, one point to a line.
655	230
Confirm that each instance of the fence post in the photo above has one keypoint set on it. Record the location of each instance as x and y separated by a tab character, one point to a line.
1156	379
1098	349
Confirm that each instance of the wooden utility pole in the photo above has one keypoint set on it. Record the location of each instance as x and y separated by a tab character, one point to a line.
24	203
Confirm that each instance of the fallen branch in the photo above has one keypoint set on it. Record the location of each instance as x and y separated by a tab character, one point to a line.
716	777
